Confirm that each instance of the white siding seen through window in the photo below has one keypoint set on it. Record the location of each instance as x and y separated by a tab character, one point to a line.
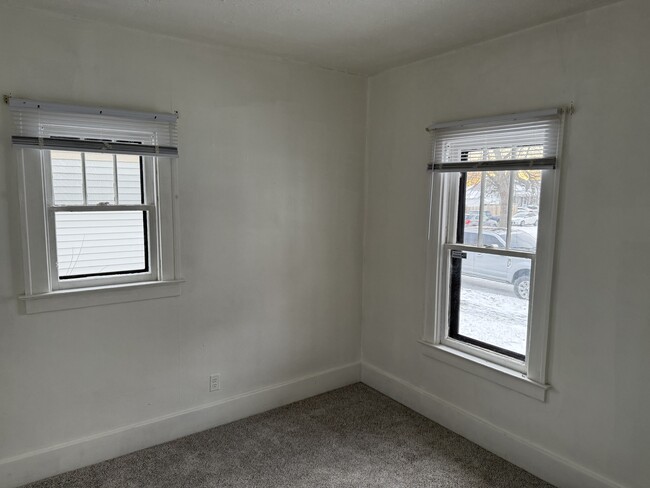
103	242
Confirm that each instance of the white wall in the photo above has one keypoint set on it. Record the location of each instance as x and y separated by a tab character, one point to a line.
597	412
271	185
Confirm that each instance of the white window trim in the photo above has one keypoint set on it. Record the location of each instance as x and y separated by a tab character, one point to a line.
42	292
529	378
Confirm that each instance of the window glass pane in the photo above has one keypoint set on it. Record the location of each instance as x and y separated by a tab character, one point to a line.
494	301
473	196
495	201
100	178
492	240
523	241
106	242
525	205
485	192
471	237
67	178
129	179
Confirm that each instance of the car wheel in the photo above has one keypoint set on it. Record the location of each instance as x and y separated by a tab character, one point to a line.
535	223
522	286
522	223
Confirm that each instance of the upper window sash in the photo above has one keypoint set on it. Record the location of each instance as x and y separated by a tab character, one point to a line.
147	181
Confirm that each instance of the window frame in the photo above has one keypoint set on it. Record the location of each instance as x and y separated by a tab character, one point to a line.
530	376
44	291
149	192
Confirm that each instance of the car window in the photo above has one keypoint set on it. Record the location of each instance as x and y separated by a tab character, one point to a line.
522	241
491	241
471	238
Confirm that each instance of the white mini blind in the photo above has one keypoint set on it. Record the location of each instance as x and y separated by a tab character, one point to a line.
524	141
49	125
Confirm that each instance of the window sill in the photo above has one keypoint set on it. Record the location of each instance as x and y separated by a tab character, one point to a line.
501	375
102	295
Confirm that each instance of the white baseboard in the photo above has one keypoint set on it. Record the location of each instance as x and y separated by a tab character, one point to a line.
43	463
535	459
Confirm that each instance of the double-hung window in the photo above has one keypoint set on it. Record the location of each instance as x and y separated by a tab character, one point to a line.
492	226
101	211
98	199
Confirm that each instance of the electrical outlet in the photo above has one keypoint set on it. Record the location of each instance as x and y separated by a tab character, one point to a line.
215	382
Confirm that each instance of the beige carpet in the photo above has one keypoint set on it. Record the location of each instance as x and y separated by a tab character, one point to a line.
350	437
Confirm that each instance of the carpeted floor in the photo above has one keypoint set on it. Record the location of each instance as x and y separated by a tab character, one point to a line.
350	437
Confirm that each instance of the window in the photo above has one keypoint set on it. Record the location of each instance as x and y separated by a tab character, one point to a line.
492	233
489	284
99	210
98	197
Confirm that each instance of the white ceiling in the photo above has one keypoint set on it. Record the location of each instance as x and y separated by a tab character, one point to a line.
359	36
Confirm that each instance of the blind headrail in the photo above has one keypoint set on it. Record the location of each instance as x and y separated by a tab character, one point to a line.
501	118
23	103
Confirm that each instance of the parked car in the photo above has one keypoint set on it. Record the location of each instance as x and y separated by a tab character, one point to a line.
504	269
489	220
524	218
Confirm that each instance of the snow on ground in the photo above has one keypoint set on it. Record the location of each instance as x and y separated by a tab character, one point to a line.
490	312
